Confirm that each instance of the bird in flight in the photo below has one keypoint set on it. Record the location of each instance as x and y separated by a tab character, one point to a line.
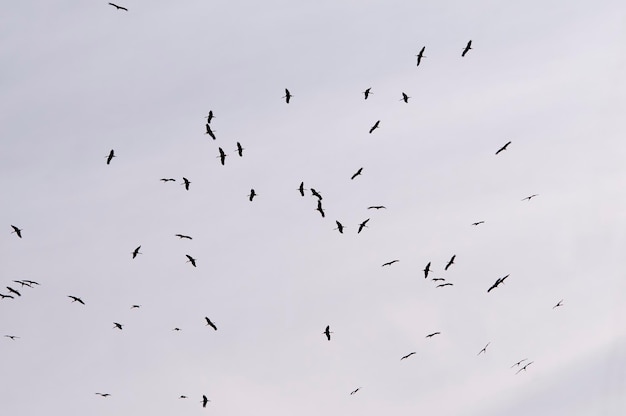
209	131
16	231
433	334
375	126
168	180
14	291
426	270
467	48
118	326
354	391
503	147
135	307
363	225
209	117
367	93
13	337
420	55
2	296
484	350
319	208
517	364
478	223
110	156
316	194
407	356
239	149
181	236
252	195
558	304
524	368
445	284
76	299
436	279
209	323
23	283
186	183
450	263
178	329
222	155
103	394
405	98
190	260
32	282
339	227
118	7
287	96
205	400
497	283
301	188
327	332
136	251
530	197
377	207
389	263
358	172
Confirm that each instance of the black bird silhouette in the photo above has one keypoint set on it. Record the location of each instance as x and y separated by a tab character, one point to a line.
136	251
186	183
209	131
484	349
426	270
209	117
375	126
168	180
433	334
445	284
118	7
362	225
467	48
339	227
209	323
450	263
178	329
118	326
16	231
181	236
316	194
301	188
524	368
530	197
558	304
135	307
478	222
190	260
110	156
420	55
182	396
14	291
32	282
23	283
354	391
358	172
389	263
327	332
6	296
222	155
436	279
367	92
503	147
252	195
205	400
13	337
497	283
407	356
76	299
287	96
239	149
377	207
517	364
103	394
405	98
319	208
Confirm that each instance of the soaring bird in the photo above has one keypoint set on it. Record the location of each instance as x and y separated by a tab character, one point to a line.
103	394
16	231
252	195
484	349
558	304
222	155
327	332
407	356
168	179
445	284
339	227
319	208
287	96
135	307
181	236
377	207
118	8
205	400
209	117
426	270
6	296
478	223
32	282
178	329
23	283
362	225
209	131
190	260
354	391
433	334
186	182
450	263
524	368
76	299
301	188
14	291
530	197
405	98
420	55
389	263
367	92
503	147
110	156
182	396
467	48
375	126
118	326
436	279
517	364
209	323
316	194
358	172
497	283
13	337
239	149
136	251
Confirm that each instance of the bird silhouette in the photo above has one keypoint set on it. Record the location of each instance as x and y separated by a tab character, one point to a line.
327	332
316	194
407	356
484	350
209	131
389	263
32	282
13	337
436	279
252	194
478	223
517	364
358	172
319	208
450	263
375	126
16	231
136	251
445	284
377	207
14	291
205	400
186	183
530	197
222	155
433	334
110	156
503	147
209	117
23	283
181	236
135	307
301	188
240	149
420	55
497	283
209	323
287	96
190	260
426	270
560	303
182	396
117	325
354	391
524	367
405	98
339	227
76	299
362	225
367	92
6	296
103	394
168	180
118	7
467	48
178	329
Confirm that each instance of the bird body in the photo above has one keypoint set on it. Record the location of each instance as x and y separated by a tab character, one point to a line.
136	251
560	303
252	194
319	208
16	231
287	96
103	394
478	223
13	337
209	117
13	291
445	284
186	183
367	93
301	188
205	400
222	155
240	149
405	98
316	194
530	197
377	207
168	179
484	350
327	332
209	131
117	325
524	367
354	391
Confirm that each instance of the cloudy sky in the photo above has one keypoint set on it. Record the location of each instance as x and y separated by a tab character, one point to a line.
81	78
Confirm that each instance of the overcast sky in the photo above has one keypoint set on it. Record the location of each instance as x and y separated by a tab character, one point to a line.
81	78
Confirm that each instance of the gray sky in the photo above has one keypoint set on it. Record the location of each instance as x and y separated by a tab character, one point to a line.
80	79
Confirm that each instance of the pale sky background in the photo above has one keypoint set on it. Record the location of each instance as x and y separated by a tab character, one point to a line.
81	78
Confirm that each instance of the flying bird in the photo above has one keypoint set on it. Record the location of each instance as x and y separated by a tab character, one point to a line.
222	155
558	304
178	329
362	225
405	98
209	131
76	299
375	126
484	350
358	172
467	48
103	394
530	197
478	223
445	284
524	368
23	283
420	55
517	364
186	183
301	188
367	92
377	207
497	283
118	8
16	231
136	251
339	227
252	194
239	149
435	279
319	208
181	236
450	263
13	337
389	263
190	260
327	332
287	96
32	282
407	356
426	270
205	400
168	180
433	334
14	291
118	326
6	296
110	156
135	306
209	117
182	396
209	323
316	194
503	147
354	391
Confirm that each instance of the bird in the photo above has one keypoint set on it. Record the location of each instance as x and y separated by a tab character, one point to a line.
367	92
503	147
327	332
181	236
118	326
319	208
14	291
450	263
497	283
209	117
484	349
517	364
209	131
478	223
168	180
135	306
239	149
301	188
190	260
389	263
316	194
205	400
354	391
524	368
377	207
2	296
103	394
209	323
136	251
76	299
110	156
375	126
467	48
182	396
433	334
358	172
420	55
32	282
177	329
530	197
435	279
287	96
407	356
445	284
13	337
339	227
362	225
558	304
118	8
16	231
252	194
23	283
426	270
405	98
186	182
222	155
